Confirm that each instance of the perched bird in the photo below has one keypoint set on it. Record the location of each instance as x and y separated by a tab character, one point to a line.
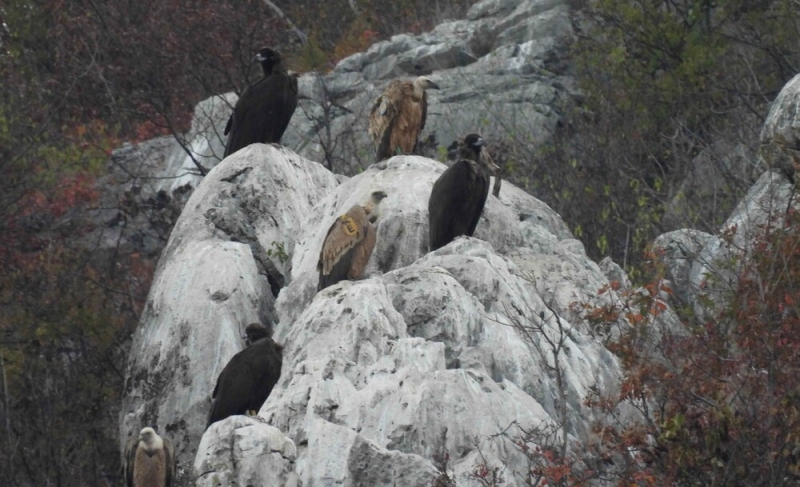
398	117
265	108
244	384
458	196
454	152
149	460
349	243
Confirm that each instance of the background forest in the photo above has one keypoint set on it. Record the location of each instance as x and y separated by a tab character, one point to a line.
664	135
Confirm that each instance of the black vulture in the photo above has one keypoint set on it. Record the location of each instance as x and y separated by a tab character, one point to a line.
454	152
149	460
349	243
248	378
458	196
265	108
398	117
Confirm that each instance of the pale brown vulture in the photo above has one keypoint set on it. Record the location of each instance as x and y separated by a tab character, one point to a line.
245	383
349	243
149	460
398	117
265	108
458	196
455	152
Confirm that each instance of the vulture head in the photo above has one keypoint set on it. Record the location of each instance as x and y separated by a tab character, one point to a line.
255	332
373	205
471	148
150	440
268	59
423	83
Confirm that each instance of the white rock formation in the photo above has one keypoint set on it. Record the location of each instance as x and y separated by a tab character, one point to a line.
212	280
379	376
704	268
245	451
500	70
780	137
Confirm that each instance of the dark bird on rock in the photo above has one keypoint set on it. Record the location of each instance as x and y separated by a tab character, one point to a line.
265	108
458	196
455	152
244	384
349	243
398	117
149	460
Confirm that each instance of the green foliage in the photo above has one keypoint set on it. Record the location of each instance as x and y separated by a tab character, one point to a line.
278	251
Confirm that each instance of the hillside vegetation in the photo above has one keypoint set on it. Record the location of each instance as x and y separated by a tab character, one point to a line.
664	135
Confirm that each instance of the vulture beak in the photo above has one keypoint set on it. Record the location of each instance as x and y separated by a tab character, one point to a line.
259	58
432	85
479	143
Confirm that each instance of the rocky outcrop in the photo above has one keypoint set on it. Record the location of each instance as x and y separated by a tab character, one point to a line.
780	137
500	72
241	450
433	354
429	352
703	268
219	272
403	232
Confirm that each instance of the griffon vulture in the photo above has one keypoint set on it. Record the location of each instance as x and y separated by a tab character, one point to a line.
398	117
454	152
245	383
265	108
349	243
149	460
458	196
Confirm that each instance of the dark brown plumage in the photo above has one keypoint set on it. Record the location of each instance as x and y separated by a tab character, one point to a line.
247	380
455	152
459	195
349	243
149	460
398	116
265	108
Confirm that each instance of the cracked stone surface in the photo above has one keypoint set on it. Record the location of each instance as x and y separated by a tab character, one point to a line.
380	375
240	450
212	280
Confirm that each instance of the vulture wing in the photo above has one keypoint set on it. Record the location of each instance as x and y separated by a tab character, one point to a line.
424	110
382	120
267	365
456	203
408	123
129	457
233	389
263	111
337	253
478	193
362	252
239	381
229	124
169	460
